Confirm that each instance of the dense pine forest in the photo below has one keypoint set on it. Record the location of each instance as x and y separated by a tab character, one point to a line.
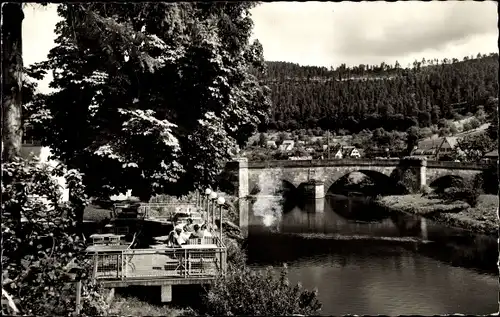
389	96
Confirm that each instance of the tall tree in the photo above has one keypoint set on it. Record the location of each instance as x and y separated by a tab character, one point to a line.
476	146
158	93
12	74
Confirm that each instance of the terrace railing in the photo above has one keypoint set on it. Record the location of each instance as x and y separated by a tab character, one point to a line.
165	210
198	258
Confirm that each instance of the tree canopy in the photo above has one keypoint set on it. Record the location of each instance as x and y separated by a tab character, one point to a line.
151	96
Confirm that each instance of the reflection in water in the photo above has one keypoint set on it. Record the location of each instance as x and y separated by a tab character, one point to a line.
389	264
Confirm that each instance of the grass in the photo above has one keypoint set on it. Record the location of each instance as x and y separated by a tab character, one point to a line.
482	218
132	306
95	213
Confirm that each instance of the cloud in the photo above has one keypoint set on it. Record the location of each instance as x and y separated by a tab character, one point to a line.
318	33
418	26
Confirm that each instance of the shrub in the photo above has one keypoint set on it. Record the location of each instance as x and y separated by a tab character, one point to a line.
253	293
468	195
408	180
236	257
490	179
41	249
426	190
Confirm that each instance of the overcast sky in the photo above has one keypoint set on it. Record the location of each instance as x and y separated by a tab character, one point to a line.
329	33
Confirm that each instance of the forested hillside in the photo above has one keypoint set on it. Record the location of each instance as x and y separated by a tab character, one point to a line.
389	96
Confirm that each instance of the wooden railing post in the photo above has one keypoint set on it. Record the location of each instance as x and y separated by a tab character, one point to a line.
124	266
96	260
78	296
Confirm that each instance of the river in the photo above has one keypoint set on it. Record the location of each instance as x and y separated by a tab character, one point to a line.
363	260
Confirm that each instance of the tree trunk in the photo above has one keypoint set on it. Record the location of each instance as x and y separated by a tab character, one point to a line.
12	71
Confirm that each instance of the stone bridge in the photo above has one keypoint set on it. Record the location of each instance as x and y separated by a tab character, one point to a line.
265	176
255	176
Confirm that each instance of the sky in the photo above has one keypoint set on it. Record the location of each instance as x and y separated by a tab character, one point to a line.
332	33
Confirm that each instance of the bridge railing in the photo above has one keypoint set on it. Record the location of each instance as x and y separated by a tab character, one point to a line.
193	260
361	162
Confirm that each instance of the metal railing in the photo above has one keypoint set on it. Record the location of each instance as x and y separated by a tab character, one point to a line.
165	210
198	258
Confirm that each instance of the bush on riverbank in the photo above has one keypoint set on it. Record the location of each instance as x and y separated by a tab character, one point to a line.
481	218
468	195
488	180
244	291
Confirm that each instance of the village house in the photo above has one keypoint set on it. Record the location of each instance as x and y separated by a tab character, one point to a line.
271	144
447	147
350	152
427	148
340	152
434	148
287	145
337	152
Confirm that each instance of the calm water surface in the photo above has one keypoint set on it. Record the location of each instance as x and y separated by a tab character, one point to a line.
365	261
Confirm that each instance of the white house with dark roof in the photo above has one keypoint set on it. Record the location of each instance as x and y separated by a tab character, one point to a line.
340	152
447	146
350	152
287	145
271	144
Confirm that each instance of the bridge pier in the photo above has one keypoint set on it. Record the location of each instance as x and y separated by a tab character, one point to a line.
423	173
315	189
423	228
166	293
243	192
319	190
319	205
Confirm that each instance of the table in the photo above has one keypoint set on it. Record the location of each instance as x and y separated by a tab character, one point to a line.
198	246
160	246
161	238
110	238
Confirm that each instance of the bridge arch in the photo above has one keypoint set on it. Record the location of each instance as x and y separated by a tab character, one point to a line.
447	181
381	179
282	186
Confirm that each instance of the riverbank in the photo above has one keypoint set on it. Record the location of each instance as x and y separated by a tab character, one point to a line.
479	219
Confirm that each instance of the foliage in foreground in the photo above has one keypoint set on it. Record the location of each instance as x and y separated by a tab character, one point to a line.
40	244
244	291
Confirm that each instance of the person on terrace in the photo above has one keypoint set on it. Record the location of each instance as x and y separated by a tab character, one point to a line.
176	238
206	231
189	226
198	233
